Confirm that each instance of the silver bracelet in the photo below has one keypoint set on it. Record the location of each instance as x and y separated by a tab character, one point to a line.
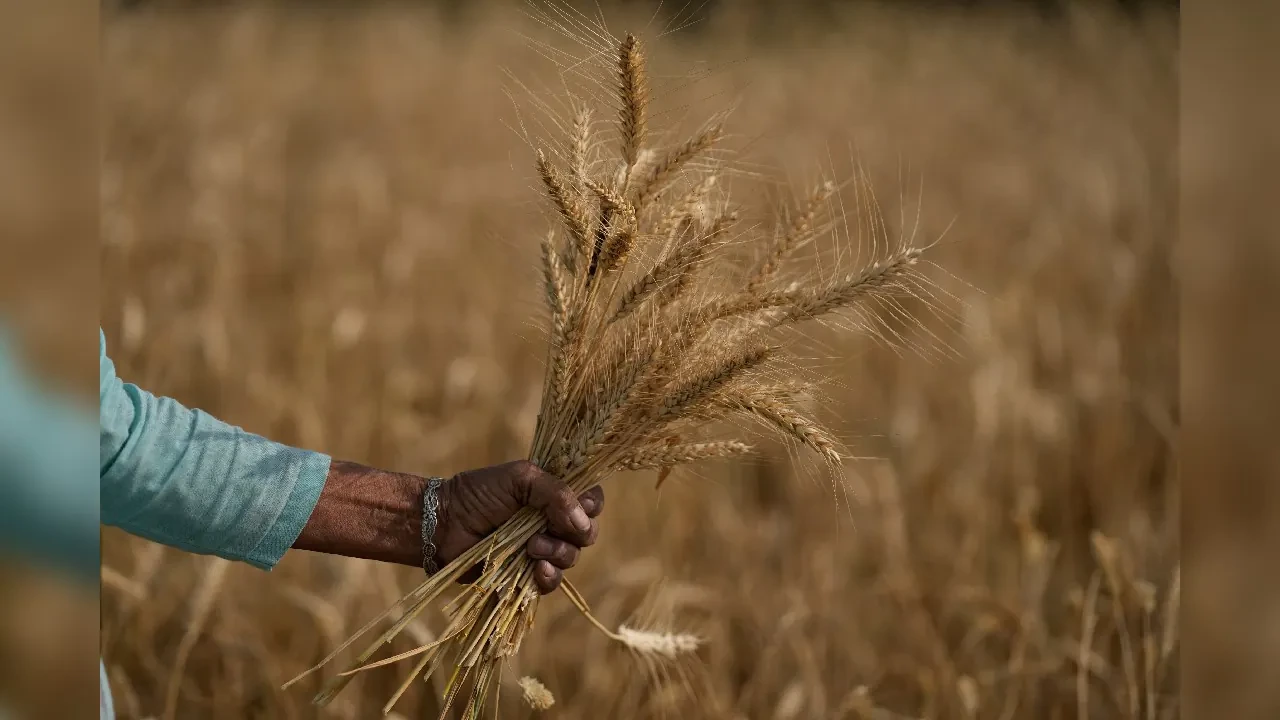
430	506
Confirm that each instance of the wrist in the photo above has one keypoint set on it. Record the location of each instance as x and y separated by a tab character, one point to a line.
431	493
445	550
367	513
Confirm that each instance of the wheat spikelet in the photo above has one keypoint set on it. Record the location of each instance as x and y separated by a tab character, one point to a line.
669	645
686	396
618	230
746	303
618	245
633	91
557	289
665	456
671	276
684	211
536	695
795	237
580	146
701	246
571	211
778	415
562	356
652	281
660	174
619	397
855	286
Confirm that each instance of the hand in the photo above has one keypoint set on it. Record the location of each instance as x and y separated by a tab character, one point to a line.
475	503
375	514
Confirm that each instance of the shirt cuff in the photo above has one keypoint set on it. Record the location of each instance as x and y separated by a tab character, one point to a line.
313	470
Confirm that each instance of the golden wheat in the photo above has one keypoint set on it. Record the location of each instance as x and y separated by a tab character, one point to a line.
630	370
1044	214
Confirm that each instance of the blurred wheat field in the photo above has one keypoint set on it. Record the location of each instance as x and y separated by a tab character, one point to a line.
320	224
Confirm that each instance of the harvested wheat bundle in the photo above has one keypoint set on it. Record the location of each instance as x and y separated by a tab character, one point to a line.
646	355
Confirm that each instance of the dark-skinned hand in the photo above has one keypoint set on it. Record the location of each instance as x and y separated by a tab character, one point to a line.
475	503
374	514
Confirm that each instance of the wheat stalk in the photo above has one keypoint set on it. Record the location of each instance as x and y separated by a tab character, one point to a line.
636	361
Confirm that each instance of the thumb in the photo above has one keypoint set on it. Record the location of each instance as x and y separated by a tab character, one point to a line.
549	494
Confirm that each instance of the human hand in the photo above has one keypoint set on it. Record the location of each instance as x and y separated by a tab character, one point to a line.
364	512
475	503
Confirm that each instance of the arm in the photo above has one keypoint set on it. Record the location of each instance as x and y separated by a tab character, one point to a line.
185	479
377	515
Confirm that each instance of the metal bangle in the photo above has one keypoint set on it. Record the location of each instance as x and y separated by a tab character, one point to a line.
430	506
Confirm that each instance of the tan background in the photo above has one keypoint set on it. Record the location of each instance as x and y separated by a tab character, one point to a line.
316	225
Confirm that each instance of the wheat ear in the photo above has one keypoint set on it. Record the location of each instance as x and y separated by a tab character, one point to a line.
664	456
619	235
661	173
796	236
570	209
633	93
780	417
668	278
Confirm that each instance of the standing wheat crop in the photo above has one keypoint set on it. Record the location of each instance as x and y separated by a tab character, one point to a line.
648	355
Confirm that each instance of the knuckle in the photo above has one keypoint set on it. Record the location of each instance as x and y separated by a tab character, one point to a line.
596	495
524	469
566	499
567	555
552	582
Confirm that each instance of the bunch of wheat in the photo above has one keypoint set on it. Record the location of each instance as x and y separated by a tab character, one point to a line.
645	356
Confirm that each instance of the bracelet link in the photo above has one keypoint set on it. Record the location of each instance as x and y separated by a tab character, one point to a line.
430	510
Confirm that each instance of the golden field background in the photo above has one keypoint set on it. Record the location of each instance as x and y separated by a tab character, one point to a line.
321	224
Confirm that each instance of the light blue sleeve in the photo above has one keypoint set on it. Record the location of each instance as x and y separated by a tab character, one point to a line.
183	478
48	487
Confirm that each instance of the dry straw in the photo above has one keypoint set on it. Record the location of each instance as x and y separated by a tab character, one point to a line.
647	356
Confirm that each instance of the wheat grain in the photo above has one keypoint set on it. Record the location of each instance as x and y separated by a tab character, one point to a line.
536	695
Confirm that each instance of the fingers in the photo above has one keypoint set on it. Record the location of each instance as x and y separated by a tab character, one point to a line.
559	553
557	502
547	576
592	501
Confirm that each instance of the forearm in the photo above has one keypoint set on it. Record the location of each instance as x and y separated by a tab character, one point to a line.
185	479
367	513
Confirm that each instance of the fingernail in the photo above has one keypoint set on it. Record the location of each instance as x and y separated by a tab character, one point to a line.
580	521
545	570
540	546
